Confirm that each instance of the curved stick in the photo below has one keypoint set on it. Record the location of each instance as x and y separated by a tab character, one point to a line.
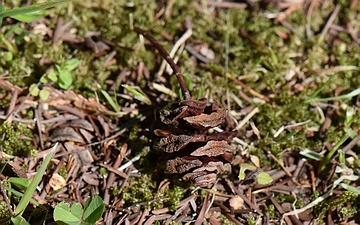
165	55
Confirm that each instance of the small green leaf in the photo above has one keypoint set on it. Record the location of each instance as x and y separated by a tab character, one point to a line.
242	173
71	64
44	95
65	79
264	178
22	183
63	213
9	56
94	208
188	82
248	166
44	79
243	168
34	90
52	75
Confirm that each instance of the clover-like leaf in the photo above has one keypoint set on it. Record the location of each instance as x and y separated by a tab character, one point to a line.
44	94
52	75
71	64
65	79
264	178
63	212
93	209
243	168
34	90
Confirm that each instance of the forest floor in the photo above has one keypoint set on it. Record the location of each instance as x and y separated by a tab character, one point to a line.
272	111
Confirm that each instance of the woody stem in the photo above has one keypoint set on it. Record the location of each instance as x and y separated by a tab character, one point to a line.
165	55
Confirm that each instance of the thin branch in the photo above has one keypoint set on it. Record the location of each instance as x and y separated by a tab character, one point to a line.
166	56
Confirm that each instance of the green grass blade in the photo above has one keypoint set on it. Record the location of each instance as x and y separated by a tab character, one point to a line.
2	8
19	220
138	93
330	154
113	104
18	193
31	8
29	17
350	188
35	182
322	86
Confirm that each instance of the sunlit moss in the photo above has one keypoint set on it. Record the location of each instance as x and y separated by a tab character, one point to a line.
267	59
251	220
63	172
174	223
225	220
14	139
174	194
271	210
4	212
114	190
103	172
347	202
140	189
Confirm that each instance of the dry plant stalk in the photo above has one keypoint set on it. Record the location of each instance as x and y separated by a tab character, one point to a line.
192	152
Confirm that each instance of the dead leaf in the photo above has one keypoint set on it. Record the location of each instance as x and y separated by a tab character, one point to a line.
236	202
57	182
65	134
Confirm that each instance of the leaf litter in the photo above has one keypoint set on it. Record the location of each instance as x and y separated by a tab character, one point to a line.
274	63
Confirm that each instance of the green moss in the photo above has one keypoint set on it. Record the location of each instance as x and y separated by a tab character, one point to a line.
103	172
271	210
251	220
14	139
225	220
347	202
114	190
348	212
143	189
140	189
174	223
63	172
175	195
4	212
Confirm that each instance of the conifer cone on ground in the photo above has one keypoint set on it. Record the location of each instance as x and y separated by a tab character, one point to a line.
192	151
